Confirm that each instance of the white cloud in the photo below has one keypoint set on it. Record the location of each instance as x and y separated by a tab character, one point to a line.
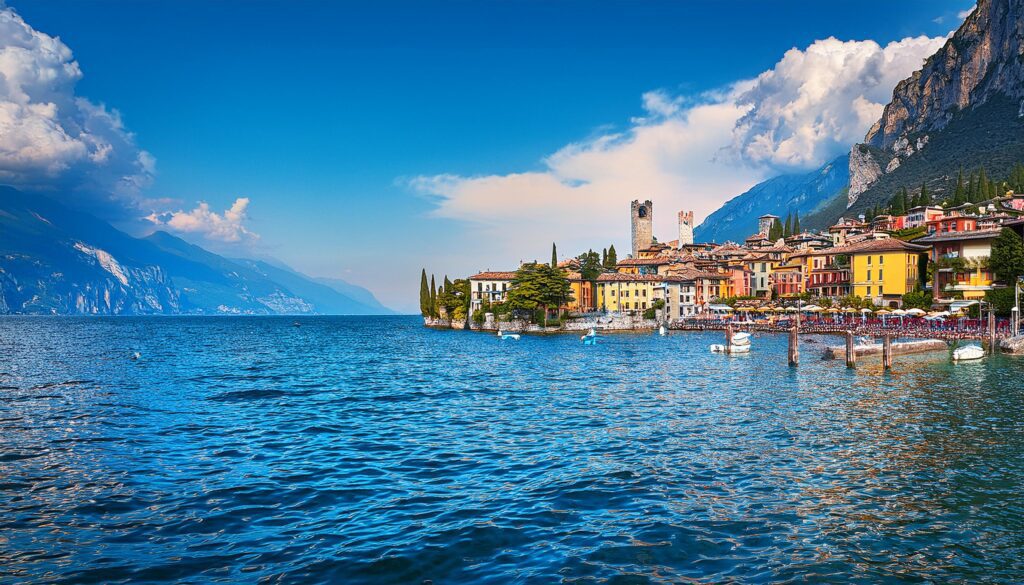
226	227
50	138
684	153
816	102
965	13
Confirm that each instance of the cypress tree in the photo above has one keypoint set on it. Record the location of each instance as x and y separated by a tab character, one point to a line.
424	294
604	257
613	257
796	222
787	229
776	230
554	256
433	297
971	190
983	187
447	284
904	201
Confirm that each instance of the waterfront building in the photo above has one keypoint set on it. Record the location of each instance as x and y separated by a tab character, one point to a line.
582	294
690	291
955	222
829	273
489	286
618	292
883	270
961	263
788	277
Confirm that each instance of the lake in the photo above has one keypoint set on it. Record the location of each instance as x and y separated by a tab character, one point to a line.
373	450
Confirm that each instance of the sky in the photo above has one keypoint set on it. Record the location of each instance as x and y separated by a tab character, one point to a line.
367	140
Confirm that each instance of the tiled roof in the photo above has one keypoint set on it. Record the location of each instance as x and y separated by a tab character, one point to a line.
883	245
954	236
619	277
692	274
493	276
656	261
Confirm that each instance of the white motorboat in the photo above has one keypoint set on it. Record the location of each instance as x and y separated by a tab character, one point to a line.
662	330
741	338
590	338
968	352
503	336
719	348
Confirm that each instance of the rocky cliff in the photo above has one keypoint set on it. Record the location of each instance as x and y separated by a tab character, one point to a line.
963	108
984	58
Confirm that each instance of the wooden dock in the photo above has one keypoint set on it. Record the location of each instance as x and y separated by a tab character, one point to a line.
908	347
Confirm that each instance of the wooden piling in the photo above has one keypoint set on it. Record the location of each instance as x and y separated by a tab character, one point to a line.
728	338
887	352
794	347
992	332
851	353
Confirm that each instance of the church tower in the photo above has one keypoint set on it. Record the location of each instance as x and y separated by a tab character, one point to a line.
641	217
685	228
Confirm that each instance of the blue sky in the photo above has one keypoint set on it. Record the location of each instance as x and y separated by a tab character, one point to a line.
325	114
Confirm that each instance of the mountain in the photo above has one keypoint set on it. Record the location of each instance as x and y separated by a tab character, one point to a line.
55	260
802	193
963	108
329	295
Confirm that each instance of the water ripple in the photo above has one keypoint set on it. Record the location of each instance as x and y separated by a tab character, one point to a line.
371	450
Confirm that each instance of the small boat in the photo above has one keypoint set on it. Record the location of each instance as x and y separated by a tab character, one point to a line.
719	348
865	340
662	331
503	336
741	338
968	352
590	338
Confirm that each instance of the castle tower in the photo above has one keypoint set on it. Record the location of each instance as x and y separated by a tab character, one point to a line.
765	223
685	228
641	217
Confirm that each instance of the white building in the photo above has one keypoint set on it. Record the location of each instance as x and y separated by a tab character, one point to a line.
492	286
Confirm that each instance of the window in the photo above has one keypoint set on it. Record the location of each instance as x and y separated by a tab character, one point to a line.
881	259
880	277
869	291
644	292
869	260
869	276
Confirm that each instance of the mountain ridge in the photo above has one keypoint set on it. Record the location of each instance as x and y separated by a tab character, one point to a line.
55	260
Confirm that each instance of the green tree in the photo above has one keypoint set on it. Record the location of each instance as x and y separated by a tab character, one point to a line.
590	265
959	192
455	298
433	297
917	299
983	187
896	204
1007	259
554	256
776	231
796	222
424	294
613	257
539	286
787	229
604	257
1002	300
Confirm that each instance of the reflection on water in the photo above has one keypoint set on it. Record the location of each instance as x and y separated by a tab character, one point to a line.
373	450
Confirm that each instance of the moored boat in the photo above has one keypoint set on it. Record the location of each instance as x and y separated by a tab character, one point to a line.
968	352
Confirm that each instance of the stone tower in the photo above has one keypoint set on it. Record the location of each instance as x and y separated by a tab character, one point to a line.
765	223
641	216
685	228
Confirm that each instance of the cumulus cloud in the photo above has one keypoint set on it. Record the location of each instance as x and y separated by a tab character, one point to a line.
818	101
52	139
687	152
226	227
965	13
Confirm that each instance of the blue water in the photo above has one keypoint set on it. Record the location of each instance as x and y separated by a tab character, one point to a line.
372	450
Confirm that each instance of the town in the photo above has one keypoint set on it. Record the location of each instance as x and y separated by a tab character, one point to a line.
928	262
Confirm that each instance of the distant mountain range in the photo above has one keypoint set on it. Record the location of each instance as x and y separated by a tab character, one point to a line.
55	260
801	193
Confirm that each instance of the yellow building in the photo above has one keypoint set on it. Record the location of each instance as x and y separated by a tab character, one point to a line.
617	292
884	270
582	294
